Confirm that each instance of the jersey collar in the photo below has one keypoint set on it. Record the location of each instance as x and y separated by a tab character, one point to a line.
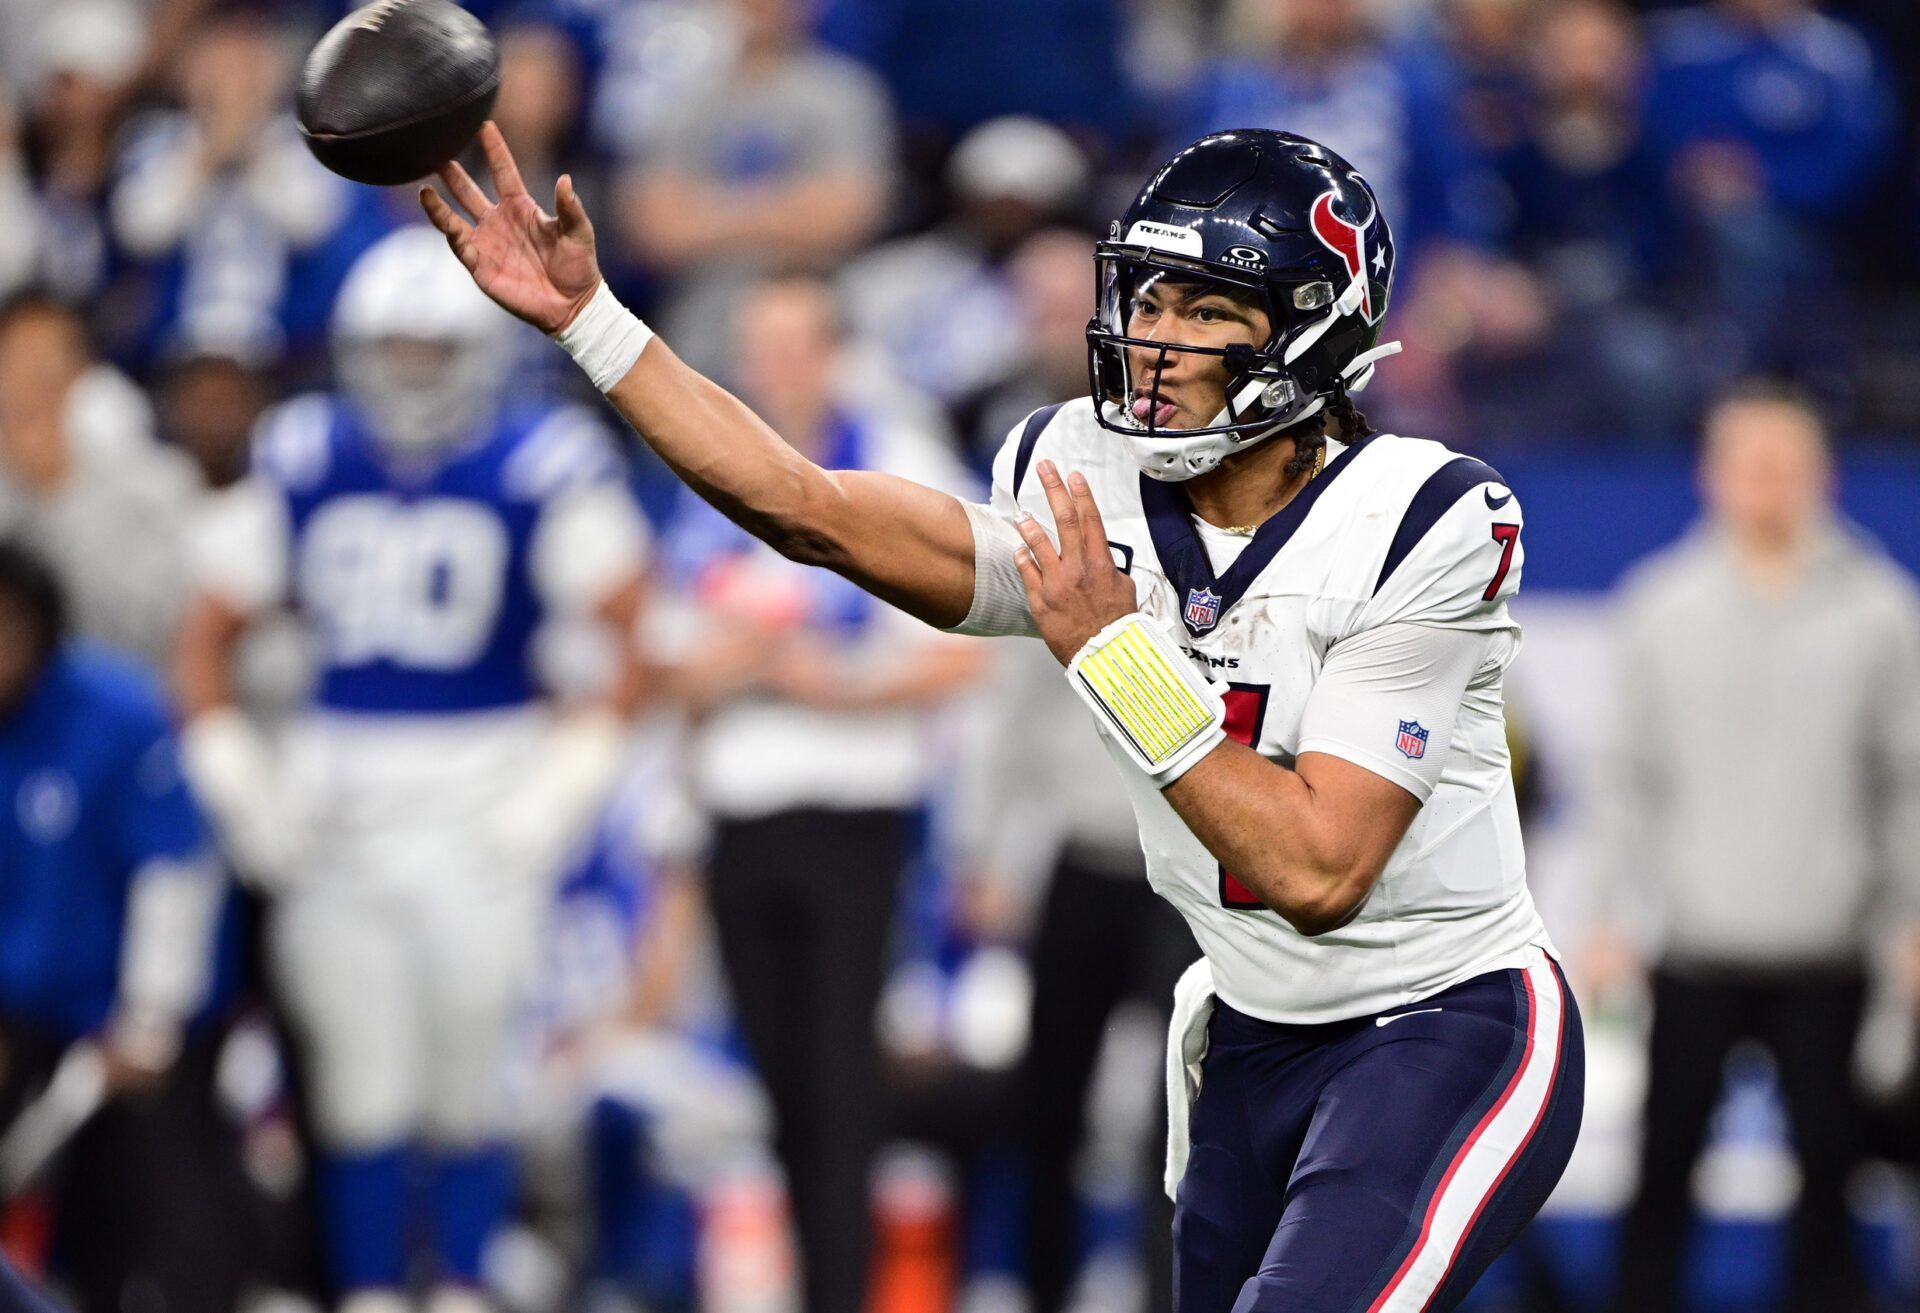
1205	599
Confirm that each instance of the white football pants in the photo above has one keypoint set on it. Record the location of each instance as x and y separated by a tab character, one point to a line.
407	998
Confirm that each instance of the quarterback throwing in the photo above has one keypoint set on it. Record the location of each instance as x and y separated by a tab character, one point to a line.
1292	631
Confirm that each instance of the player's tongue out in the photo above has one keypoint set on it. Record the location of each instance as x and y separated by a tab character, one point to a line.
1152	409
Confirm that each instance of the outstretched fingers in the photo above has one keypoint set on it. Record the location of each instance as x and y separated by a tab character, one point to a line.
464	189
506	174
458	232
568	209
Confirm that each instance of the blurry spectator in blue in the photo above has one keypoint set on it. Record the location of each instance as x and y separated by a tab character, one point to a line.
954	66
1586	219
940	303
543	91
109	901
248	235
784	161
75	67
84	481
1320	69
1323	70
1586	197
1770	124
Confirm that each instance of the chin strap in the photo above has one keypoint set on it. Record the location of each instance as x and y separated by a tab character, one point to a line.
1359	370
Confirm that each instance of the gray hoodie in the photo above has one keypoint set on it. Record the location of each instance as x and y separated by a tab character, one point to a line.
1761	806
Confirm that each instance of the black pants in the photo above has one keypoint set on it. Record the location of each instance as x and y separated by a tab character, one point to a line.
149	1199
803	902
1103	939
1809	1022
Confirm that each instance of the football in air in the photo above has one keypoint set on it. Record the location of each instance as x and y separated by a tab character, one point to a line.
397	89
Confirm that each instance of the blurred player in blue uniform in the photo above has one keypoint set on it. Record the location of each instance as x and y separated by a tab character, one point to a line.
453	556
109	899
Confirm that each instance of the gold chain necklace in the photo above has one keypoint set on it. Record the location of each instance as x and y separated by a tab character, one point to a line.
1248	530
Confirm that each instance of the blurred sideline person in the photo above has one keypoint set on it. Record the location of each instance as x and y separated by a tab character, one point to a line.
1761	813
810	751
786	161
110	896
1049	812
446	548
1295	639
84	482
223	198
939	303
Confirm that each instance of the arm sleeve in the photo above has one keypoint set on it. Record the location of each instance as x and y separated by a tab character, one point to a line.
999	597
589	542
1387	699
173	903
238	547
591	537
166	959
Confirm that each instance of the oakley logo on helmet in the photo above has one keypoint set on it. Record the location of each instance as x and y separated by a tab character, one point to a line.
1349	242
1247	257
1165	237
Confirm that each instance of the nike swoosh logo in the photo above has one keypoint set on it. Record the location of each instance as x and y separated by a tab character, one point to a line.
1382	1021
1495	503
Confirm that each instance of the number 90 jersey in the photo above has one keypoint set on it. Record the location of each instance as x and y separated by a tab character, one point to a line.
1367	619
424	592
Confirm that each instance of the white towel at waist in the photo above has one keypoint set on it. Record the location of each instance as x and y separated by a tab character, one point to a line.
1186	1049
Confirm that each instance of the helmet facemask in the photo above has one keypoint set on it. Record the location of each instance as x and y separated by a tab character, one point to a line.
1264	392
421	396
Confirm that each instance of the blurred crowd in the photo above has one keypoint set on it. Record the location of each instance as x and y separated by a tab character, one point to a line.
831	979
1605	210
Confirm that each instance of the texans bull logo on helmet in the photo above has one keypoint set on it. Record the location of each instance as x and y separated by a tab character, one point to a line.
1348	240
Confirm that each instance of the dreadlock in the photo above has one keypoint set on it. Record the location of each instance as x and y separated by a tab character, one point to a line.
1348	425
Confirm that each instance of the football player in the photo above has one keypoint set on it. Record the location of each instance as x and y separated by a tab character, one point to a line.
1292	631
412	824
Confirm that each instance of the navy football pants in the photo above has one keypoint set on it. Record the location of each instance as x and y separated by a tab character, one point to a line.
1376	1165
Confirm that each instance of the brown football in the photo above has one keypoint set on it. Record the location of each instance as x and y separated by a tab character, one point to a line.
397	89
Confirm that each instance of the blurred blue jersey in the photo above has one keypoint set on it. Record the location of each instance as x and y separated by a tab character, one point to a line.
1391	112
92	791
1806	94
420	587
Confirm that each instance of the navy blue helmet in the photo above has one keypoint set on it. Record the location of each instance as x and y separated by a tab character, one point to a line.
1271	215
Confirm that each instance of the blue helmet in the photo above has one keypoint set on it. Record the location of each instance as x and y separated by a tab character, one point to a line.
1268	214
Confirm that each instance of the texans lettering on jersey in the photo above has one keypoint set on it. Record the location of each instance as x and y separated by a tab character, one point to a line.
1400	556
422	593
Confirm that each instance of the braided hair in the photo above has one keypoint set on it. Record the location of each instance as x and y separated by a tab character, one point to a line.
1347	423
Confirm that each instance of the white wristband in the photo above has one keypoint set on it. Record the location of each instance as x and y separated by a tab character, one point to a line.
1148	697
605	338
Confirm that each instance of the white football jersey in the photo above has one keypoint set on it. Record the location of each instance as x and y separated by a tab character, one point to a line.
1367	619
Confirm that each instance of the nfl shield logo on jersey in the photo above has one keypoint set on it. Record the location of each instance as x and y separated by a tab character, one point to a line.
1203	609
1413	738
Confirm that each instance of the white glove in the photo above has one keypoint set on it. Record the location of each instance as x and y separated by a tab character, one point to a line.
235	776
561	793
